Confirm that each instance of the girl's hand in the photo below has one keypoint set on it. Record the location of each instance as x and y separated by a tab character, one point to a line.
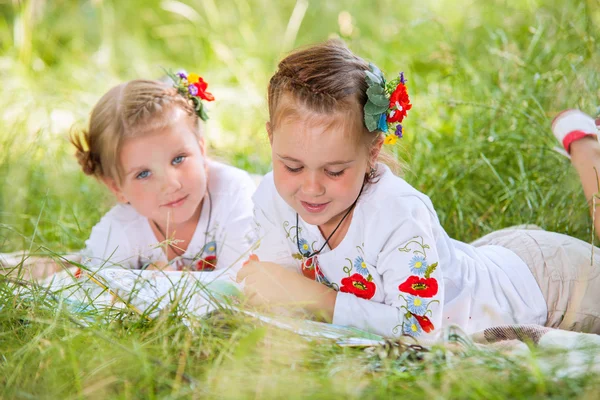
269	285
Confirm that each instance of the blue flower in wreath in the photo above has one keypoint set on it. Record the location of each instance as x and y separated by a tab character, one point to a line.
416	305
210	248
304	247
361	266
418	265
411	327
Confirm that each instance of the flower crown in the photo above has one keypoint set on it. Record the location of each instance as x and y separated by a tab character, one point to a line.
192	87
386	105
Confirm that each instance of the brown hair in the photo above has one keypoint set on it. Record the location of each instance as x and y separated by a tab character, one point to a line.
325	78
127	110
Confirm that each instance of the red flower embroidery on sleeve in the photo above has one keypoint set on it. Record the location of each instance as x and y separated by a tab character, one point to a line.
425	322
358	286
207	264
310	267
422	287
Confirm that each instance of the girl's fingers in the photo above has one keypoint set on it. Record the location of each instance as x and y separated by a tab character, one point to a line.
253	257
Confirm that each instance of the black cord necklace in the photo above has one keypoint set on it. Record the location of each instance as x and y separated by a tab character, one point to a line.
314	253
177	251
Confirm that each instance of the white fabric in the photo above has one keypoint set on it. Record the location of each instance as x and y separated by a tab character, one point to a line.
392	226
124	237
573	120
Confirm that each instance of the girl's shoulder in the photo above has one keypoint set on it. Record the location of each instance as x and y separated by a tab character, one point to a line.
122	215
391	192
391	201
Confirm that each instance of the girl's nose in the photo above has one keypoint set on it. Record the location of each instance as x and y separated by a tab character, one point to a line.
312	185
171	182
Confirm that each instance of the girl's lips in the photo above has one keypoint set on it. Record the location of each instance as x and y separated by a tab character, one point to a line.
176	203
314	208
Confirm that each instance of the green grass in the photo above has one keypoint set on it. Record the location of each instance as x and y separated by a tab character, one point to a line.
485	79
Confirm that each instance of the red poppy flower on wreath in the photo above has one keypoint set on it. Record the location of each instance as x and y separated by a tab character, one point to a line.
201	85
310	268
425	322
358	286
399	104
207	264
417	286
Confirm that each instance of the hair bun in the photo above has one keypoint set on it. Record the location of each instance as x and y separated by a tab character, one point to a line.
87	161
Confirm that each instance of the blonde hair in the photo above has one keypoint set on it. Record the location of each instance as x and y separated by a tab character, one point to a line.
325	78
128	110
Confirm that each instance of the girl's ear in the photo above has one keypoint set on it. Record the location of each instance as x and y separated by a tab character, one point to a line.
269	132
112	185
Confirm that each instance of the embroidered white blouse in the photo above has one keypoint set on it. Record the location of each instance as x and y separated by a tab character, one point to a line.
396	271
125	238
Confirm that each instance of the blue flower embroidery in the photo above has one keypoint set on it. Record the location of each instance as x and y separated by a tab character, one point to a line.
416	305
411	326
304	247
361	266
210	248
418	265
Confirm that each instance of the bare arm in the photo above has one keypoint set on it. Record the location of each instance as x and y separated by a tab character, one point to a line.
585	157
271	286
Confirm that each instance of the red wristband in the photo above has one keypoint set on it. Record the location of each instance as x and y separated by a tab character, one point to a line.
573	136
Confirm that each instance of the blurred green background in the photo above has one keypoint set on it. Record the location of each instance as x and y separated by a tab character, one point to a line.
485	78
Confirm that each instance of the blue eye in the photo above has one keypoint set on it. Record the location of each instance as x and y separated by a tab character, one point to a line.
178	160
143	175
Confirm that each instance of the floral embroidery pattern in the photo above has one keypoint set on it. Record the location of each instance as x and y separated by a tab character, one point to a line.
305	247
424	287
418	265
361	266
417	288
358	286
209	262
359	281
310	267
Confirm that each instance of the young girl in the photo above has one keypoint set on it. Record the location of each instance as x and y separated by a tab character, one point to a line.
361	247
178	209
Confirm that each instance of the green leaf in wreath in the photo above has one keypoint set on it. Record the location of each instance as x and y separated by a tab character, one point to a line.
371	122
373	79
373	109
375	90
376	71
379	100
203	115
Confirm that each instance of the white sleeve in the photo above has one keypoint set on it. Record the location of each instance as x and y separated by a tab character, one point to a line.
236	246
412	282
108	245
268	238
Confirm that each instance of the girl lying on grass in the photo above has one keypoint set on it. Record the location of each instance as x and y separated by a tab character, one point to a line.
344	239
177	208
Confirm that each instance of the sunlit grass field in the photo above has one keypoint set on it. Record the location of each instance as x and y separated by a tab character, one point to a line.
485	77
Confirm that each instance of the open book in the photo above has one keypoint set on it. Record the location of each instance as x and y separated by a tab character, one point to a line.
195	293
